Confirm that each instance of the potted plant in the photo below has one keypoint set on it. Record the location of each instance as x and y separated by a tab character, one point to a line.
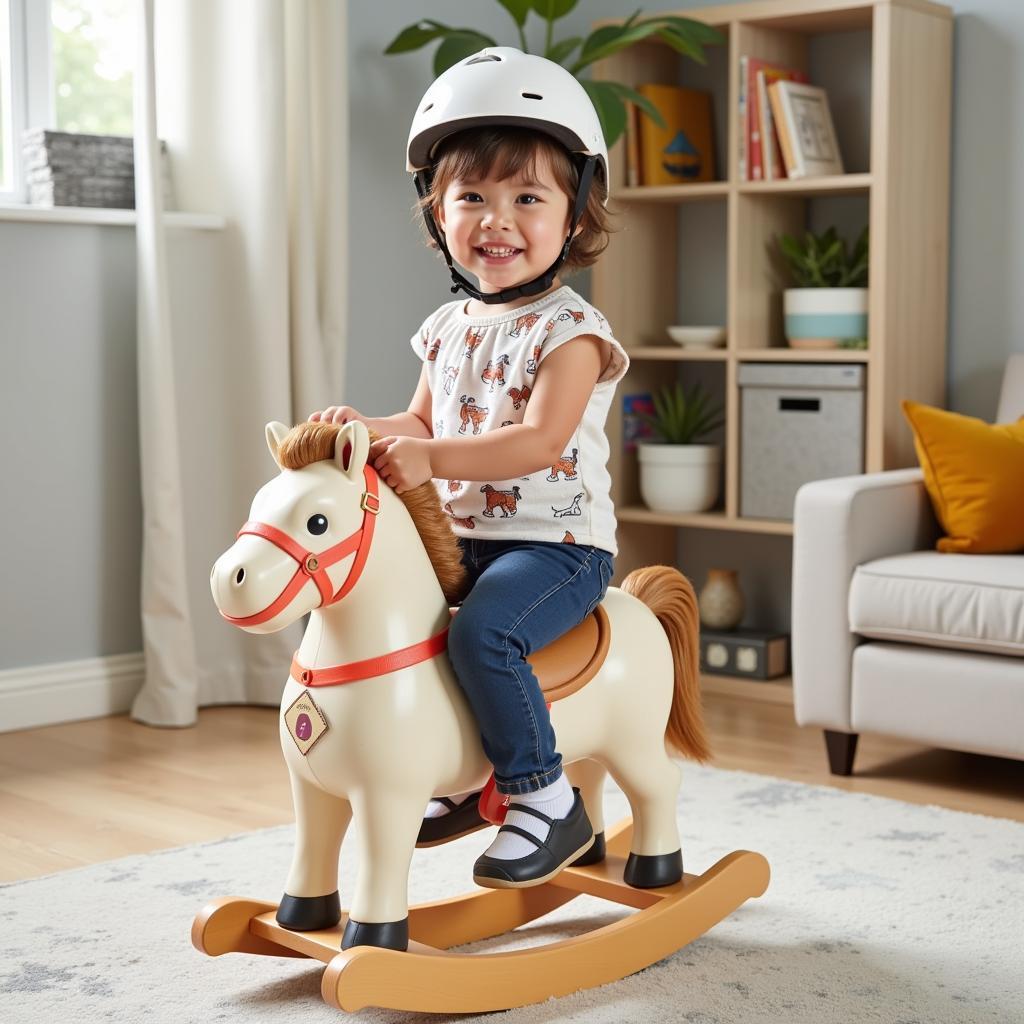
828	308
684	35
676	473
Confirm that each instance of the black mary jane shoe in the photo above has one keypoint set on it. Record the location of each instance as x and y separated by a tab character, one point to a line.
568	839
462	819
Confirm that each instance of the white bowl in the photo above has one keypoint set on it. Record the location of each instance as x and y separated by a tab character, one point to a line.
697	337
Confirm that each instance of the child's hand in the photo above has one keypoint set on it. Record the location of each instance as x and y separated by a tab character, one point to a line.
337	414
403	462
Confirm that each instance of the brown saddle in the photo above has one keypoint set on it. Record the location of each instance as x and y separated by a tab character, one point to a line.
570	662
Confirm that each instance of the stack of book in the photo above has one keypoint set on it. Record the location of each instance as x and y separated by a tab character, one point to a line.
66	169
786	127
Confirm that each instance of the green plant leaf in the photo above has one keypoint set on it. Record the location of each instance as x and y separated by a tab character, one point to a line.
629	21
459	44
519	9
552	10
609	39
412	37
611	111
683	44
696	30
561	50
624	92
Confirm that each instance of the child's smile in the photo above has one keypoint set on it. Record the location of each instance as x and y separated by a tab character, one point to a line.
505	232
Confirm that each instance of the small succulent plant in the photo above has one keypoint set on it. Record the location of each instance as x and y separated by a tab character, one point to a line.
823	261
681	417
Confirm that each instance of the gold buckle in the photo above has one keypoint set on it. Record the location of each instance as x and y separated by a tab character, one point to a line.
364	503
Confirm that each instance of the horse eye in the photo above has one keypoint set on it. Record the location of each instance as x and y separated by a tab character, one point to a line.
317	525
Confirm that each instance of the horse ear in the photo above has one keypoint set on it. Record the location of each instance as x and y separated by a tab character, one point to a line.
275	435
352	449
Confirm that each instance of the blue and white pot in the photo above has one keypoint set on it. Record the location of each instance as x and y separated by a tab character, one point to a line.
822	317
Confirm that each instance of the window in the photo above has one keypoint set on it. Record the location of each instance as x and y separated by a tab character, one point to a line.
64	64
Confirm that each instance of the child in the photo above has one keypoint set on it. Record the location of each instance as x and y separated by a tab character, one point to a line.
508	420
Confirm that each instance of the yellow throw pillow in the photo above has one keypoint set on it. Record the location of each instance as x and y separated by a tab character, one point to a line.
974	473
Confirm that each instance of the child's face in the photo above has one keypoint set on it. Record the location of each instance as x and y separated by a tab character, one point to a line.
505	232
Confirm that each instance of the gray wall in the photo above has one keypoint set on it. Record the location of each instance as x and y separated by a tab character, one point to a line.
69	519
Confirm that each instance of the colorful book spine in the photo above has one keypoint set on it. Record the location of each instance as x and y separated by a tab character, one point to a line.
741	92
775	166
633	175
753	127
781	128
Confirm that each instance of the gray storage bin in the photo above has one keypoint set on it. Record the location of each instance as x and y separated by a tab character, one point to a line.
799	422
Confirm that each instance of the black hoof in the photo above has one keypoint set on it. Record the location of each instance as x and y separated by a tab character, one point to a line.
386	935
653	872
594	855
309	913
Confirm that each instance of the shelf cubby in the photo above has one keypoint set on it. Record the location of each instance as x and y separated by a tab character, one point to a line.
886	65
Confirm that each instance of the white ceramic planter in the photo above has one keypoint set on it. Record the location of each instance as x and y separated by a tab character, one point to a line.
822	317
679	477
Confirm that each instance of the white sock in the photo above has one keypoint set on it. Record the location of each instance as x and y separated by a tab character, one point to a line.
555	801
436	809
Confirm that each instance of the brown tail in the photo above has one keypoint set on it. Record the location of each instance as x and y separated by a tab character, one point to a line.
668	593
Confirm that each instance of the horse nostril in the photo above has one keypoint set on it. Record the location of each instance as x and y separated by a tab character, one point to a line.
240	575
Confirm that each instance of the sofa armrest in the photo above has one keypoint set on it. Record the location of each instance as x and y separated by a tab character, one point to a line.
838	525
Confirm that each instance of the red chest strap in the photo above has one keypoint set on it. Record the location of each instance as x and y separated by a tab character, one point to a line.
353	671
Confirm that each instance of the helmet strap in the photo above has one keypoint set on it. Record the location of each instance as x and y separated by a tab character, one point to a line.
423	180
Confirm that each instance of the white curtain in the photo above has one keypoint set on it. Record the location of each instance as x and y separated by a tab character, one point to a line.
235	327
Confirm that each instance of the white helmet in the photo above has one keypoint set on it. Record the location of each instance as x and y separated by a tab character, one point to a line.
504	86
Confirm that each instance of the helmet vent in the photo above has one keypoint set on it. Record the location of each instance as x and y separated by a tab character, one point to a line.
429	106
532	96
484	59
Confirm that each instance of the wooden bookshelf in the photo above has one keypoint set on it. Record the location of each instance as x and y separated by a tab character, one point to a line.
902	181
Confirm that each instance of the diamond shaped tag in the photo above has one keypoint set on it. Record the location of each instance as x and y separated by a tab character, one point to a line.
305	722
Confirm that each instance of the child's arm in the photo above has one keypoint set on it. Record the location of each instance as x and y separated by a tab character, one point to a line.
565	381
414	422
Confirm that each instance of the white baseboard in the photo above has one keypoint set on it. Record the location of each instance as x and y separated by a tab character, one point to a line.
69	690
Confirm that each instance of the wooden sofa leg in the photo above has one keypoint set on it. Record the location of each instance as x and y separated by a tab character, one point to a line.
841	747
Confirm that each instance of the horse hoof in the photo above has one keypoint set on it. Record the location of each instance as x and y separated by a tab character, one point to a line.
652	872
386	935
594	855
309	913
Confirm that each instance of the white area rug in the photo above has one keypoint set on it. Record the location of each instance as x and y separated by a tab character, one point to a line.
877	911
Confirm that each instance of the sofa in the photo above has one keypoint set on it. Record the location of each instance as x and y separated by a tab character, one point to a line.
891	636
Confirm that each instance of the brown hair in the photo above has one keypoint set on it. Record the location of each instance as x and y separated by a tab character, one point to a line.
315	442
478	153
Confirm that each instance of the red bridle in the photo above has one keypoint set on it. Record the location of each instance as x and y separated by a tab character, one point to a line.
314	564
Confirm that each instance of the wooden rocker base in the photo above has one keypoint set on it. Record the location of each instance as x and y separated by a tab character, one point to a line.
429	979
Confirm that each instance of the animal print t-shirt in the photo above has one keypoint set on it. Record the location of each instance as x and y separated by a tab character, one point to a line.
481	371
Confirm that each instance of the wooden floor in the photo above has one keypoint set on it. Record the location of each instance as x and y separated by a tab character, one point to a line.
90	791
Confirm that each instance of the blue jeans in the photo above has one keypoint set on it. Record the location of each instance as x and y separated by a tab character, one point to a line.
524	595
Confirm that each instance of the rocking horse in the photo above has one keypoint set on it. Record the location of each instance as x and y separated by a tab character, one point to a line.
373	725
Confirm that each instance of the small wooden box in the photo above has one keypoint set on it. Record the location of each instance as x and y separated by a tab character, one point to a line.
744	652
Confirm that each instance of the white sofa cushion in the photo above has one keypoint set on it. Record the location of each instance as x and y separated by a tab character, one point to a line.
969	602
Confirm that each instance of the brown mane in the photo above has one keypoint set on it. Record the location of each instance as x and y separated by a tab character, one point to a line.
314	442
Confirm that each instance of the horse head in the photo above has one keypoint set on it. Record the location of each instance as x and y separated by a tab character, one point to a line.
292	555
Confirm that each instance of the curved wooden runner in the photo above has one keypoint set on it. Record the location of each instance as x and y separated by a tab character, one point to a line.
427	978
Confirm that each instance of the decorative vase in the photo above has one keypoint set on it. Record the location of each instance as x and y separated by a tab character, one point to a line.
679	477
823	317
721	600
